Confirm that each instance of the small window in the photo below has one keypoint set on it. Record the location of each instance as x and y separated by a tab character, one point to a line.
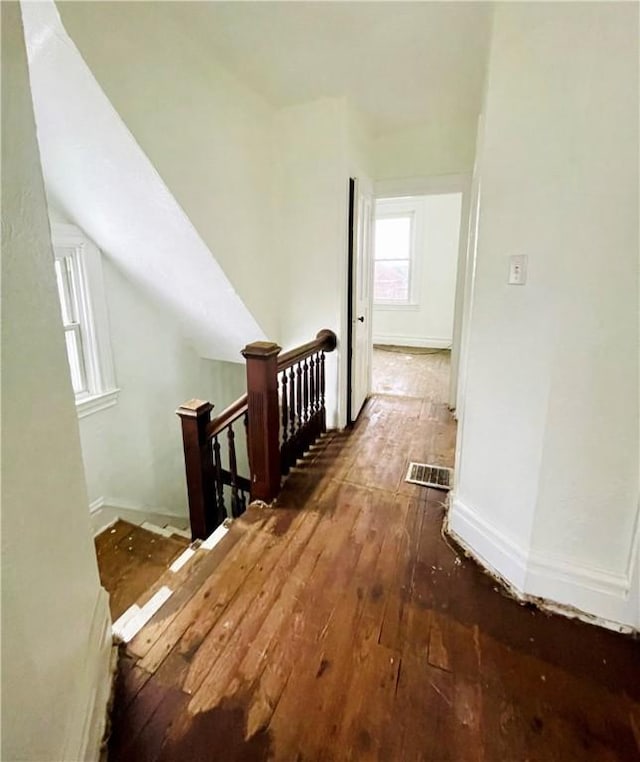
84	319
67	277
393	259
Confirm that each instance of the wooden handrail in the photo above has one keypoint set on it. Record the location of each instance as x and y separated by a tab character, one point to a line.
227	416
325	340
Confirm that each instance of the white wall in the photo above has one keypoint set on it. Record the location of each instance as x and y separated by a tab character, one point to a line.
360	144
552	376
321	145
313	181
430	322
438	147
133	451
55	618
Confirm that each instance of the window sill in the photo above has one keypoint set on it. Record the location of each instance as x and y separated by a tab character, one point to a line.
96	402
409	307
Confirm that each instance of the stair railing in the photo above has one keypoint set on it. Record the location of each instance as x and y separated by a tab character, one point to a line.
282	414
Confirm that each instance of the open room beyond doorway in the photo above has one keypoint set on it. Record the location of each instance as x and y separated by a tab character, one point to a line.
417	251
411	372
409	275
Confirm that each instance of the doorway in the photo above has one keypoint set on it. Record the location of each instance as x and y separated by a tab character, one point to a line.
415	265
416	288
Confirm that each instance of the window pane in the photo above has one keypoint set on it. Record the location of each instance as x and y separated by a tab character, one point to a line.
76	360
393	238
65	278
391	281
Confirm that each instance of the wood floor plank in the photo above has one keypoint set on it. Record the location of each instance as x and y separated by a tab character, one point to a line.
202	610
367	705
222	671
184	585
394	628
304	626
358	610
225	632
131	724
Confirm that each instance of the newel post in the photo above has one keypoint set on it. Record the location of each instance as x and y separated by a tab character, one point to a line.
263	430
198	458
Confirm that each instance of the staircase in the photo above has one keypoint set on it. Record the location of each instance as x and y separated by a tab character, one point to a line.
282	414
282	422
132	557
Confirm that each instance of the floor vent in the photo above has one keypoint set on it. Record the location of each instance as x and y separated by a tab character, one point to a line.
437	477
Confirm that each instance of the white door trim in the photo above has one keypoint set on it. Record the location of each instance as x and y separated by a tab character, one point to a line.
362	295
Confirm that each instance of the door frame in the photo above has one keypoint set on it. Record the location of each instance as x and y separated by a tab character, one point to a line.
350	260
353	242
430	186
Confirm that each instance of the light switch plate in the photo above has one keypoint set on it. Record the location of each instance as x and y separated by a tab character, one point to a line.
517	270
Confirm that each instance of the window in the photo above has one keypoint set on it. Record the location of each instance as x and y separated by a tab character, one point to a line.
84	318
393	278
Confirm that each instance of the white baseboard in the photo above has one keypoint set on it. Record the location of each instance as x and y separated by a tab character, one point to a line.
494	550
591	592
593	595
93	689
412	341
104	511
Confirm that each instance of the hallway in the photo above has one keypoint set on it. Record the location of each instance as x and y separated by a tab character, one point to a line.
342	625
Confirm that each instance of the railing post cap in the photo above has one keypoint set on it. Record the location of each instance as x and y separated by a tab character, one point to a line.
261	349
329	337
194	409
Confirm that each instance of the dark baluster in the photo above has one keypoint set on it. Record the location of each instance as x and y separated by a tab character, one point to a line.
299	415
323	421
306	429
292	403
222	511
243	494
318	405
312	393
306	391
285	409
233	469
284	405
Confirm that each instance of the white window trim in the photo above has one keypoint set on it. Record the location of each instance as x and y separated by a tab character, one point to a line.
94	403
394	208
102	390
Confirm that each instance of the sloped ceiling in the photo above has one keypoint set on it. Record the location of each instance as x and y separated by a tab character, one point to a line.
102	180
400	63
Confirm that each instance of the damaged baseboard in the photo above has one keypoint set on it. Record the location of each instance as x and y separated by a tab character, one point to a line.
104	511
93	688
553	584
490	547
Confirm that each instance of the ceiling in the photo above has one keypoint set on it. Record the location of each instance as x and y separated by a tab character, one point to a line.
400	63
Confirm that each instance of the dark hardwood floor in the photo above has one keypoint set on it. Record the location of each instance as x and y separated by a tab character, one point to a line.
342	625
